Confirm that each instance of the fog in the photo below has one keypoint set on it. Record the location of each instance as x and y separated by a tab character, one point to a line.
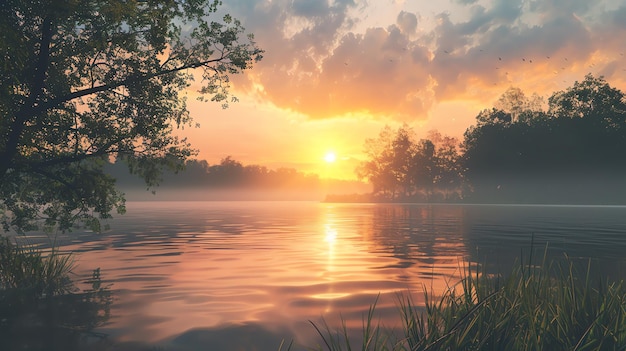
202	182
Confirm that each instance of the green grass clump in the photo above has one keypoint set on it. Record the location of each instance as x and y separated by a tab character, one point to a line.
41	308
549	307
374	336
30	271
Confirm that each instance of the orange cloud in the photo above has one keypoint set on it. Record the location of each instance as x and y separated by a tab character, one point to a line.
318	65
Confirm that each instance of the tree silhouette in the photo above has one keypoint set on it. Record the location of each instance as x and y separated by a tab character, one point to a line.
378	168
594	100
570	153
402	154
424	168
85	81
449	171
401	168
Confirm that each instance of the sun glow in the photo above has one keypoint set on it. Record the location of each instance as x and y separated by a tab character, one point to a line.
330	157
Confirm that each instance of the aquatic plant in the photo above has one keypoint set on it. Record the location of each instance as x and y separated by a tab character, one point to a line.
41	307
30	271
375	337
551	306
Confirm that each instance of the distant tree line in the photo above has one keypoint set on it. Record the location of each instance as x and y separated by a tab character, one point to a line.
570	150
228	174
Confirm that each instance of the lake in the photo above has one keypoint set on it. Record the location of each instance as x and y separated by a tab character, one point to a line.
185	275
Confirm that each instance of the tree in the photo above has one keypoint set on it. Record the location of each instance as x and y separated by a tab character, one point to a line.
593	99
228	172
571	153
378	168
424	167
401	168
402	151
520	108
449	173
513	107
86	81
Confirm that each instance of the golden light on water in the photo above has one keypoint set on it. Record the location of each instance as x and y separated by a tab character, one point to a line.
331	235
273	263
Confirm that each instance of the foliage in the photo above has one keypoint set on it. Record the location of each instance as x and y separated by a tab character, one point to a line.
401	168
41	308
535	308
374	337
547	307
85	81
28	270
570	153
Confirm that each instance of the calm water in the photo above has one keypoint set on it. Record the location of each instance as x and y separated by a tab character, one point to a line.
190	274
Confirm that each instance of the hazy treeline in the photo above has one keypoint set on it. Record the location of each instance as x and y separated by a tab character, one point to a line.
229	173
232	180
523	150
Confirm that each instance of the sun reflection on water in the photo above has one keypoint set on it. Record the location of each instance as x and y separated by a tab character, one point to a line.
331	236
330	275
271	263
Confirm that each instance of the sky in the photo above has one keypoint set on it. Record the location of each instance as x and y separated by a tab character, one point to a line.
335	72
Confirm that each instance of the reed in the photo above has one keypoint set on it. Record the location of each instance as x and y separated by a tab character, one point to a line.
41	308
33	272
374	336
551	306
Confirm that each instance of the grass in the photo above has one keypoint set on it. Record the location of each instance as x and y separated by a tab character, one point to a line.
32	272
374	336
41	308
553	306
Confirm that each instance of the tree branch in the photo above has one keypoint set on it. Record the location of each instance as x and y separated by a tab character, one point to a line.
104	150
131	79
16	128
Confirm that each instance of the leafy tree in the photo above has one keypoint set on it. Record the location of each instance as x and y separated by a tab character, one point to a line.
401	168
593	99
378	168
86	81
227	172
403	149
512	107
424	167
571	153
449	175
493	116
519	107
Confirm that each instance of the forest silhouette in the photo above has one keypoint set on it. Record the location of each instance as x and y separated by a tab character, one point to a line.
517	152
232	180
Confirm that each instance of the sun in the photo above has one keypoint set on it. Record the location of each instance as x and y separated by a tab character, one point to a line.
330	157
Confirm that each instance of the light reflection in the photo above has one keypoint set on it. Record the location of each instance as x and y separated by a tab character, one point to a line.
275	263
331	236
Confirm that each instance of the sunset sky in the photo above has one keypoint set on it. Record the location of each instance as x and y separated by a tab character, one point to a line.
335	72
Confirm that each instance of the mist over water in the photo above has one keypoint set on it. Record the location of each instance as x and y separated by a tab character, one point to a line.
192	274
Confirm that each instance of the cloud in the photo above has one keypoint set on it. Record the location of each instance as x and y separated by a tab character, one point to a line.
465	2
495	46
407	22
316	63
316	66
308	8
376	72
